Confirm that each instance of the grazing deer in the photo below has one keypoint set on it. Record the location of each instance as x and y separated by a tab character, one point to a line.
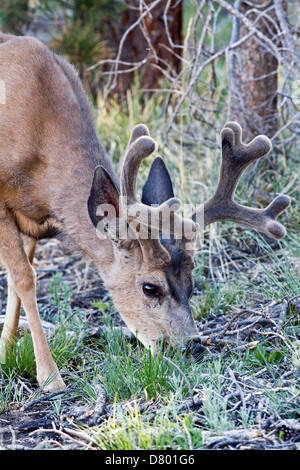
54	177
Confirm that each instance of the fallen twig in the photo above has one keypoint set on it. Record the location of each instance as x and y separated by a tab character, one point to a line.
232	376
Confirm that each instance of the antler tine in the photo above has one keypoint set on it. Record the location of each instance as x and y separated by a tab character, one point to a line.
141	145
236	156
138	131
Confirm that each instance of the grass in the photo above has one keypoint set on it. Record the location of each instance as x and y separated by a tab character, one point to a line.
130	431
282	273
217	298
166	425
131	376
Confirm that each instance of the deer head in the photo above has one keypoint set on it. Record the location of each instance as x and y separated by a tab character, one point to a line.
149	274
150	271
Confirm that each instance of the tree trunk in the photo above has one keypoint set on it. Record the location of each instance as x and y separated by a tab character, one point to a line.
149	39
253	74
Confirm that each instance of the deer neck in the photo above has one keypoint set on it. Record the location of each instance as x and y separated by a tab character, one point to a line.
71	209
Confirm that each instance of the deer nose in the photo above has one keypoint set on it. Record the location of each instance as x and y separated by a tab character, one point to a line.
196	346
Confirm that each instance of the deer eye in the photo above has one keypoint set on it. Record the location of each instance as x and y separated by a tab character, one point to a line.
150	289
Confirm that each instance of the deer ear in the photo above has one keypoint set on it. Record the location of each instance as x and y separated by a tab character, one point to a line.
104	191
158	187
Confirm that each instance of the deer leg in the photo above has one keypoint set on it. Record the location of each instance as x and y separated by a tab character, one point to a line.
11	323
13	308
22	285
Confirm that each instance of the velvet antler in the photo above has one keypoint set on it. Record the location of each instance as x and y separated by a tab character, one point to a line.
236	156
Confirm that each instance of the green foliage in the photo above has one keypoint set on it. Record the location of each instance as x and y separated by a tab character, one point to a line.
118	119
14	15
117	371
129	430
154	374
215	412
217	298
82	28
19	357
130	369
99	304
259	356
281	267
81	45
82	37
60	291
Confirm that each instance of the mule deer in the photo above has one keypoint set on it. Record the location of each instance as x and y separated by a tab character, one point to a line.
54	175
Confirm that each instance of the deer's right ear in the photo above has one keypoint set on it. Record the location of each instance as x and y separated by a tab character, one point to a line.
103	191
158	187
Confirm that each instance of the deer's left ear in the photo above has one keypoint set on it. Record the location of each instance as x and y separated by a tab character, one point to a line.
104	192
158	187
